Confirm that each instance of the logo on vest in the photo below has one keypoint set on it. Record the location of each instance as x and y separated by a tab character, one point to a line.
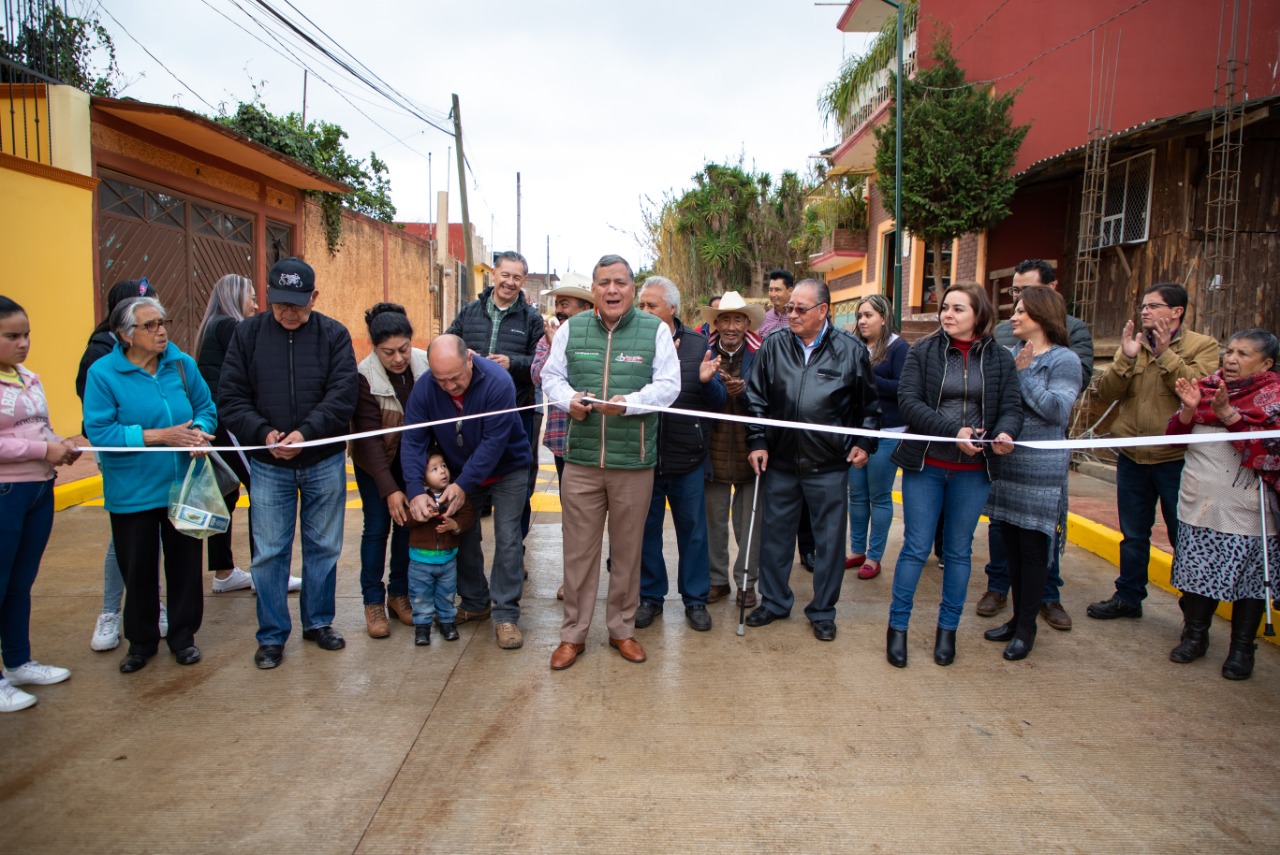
586	354
622	357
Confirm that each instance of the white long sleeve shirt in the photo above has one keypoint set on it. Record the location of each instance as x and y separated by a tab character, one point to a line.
662	391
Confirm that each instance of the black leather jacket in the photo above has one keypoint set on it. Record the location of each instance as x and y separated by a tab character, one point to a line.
836	387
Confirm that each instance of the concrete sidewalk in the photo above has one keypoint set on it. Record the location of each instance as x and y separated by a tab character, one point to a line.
772	742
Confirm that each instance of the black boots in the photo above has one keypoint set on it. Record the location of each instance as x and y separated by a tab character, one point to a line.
1197	617
944	646
896	647
1245	616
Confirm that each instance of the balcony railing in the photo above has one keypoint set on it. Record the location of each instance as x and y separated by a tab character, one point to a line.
25	128
879	90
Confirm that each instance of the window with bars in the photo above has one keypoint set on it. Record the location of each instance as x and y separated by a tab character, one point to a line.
1126	209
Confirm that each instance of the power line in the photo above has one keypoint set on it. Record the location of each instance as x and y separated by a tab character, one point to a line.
148	52
1038	56
984	22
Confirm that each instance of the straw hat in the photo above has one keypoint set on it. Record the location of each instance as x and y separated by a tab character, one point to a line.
732	302
572	285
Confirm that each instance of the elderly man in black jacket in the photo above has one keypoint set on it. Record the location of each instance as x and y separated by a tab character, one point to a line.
679	477
818	375
502	326
290	377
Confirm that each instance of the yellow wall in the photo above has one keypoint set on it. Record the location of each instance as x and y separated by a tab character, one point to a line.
46	240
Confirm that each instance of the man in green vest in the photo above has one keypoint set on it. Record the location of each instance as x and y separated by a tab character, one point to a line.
607	368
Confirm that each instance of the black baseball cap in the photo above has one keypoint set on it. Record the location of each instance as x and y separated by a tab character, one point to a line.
292	281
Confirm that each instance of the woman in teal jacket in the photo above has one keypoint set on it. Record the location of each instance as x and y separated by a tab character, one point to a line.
147	392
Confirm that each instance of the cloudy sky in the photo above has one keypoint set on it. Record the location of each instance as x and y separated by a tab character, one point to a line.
598	104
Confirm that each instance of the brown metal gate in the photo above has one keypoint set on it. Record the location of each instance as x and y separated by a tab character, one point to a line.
183	245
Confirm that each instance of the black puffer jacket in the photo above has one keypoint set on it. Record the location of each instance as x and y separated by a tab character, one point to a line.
920	390
836	388
518	337
213	351
683	440
304	380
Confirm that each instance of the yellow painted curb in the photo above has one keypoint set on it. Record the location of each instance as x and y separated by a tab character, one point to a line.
76	492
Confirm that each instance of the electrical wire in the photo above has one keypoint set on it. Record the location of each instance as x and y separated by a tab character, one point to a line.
984	22
1038	56
148	52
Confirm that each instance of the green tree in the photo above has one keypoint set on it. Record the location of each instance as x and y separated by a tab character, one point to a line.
76	51
726	231
959	145
318	144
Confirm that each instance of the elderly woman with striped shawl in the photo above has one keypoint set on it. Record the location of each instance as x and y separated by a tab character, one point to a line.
1029	498
1218	555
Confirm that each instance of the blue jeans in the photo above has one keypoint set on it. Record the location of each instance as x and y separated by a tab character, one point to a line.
998	567
689	514
373	545
274	493
871	502
1138	487
26	518
509	494
959	496
431	590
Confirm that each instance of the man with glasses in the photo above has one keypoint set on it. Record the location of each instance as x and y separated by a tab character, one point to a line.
1033	271
290	377
489	460
815	375
1141	380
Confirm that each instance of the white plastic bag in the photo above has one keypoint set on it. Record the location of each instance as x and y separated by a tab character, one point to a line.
196	507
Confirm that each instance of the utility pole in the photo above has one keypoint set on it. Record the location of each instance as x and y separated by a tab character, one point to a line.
549	285
462	191
304	98
429	193
517	212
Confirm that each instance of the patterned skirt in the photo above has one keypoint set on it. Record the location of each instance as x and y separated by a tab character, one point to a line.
1222	566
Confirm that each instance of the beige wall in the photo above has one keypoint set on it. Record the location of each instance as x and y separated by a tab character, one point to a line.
375	262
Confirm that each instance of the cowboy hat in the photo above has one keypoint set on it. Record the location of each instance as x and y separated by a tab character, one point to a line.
732	302
572	285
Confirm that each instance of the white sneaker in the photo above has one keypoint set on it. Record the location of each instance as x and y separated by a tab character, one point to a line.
164	621
238	580
35	674
295	584
106	635
13	699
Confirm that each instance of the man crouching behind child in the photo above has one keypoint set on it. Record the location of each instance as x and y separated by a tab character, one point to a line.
433	558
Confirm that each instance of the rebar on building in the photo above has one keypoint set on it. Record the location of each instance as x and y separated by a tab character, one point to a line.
1226	144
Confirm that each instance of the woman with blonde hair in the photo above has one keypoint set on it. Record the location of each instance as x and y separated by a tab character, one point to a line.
871	486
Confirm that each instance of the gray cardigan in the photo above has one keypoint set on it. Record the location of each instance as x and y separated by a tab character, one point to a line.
1031	489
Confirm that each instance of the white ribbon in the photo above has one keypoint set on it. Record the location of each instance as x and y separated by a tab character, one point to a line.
1072	444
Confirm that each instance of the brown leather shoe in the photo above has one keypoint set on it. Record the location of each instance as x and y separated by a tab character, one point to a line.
991	603
629	648
464	615
508	635
1055	615
752	599
565	655
560	593
400	607
717	593
375	617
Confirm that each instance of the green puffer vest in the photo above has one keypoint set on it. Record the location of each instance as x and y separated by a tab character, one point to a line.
604	364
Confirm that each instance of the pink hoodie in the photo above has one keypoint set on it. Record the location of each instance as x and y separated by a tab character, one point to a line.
24	430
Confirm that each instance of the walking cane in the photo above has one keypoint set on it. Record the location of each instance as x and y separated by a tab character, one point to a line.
746	562
1266	564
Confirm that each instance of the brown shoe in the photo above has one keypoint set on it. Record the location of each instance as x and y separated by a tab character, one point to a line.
560	593
400	607
565	655
375	617
509	637
717	593
464	615
629	648
991	603
1055	615
752	599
